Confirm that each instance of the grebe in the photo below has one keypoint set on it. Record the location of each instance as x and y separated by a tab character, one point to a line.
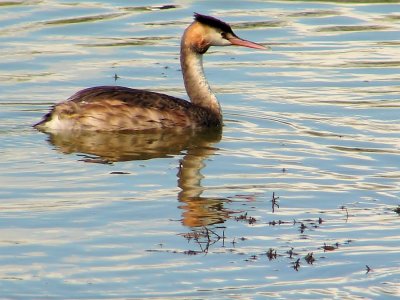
117	108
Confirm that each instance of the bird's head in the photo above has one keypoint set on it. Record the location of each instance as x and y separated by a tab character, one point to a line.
208	31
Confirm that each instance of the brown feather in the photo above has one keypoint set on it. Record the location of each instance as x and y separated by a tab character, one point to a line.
111	108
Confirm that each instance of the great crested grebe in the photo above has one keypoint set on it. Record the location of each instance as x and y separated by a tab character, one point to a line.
117	108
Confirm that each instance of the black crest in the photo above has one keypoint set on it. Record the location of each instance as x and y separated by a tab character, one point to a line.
213	22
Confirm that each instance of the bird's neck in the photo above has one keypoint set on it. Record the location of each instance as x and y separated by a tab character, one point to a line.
196	84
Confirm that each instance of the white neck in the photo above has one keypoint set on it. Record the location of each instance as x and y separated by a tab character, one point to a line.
196	84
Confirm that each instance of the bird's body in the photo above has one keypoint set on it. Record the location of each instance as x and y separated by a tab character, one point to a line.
116	108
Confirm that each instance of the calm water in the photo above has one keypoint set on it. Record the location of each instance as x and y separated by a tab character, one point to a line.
313	124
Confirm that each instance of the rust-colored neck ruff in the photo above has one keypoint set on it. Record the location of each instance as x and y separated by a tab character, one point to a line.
196	84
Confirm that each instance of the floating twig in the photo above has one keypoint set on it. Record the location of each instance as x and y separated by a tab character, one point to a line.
274	202
347	212
244	217
329	248
302	227
291	253
309	258
368	269
271	254
296	264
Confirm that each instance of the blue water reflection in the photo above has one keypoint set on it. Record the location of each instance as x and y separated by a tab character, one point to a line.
314	121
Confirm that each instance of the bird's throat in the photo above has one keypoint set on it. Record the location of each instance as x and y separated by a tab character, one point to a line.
196	84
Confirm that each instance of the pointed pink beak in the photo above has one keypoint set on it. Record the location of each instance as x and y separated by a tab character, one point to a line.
239	42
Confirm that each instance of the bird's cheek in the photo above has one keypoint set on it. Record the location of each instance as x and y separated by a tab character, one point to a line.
202	46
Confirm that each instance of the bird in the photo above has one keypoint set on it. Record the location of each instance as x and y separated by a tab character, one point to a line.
118	108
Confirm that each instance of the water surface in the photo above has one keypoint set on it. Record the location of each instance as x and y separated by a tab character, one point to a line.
292	200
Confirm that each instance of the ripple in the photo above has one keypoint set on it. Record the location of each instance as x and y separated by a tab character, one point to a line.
313	14
84	19
347	28
120	42
306	165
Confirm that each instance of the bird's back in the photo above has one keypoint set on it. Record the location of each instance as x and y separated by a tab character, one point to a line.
116	108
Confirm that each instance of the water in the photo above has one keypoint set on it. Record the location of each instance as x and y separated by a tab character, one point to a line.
313	124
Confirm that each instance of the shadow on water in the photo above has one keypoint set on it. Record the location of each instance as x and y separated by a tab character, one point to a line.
107	148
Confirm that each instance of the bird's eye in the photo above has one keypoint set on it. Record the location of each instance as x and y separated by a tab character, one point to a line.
223	35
